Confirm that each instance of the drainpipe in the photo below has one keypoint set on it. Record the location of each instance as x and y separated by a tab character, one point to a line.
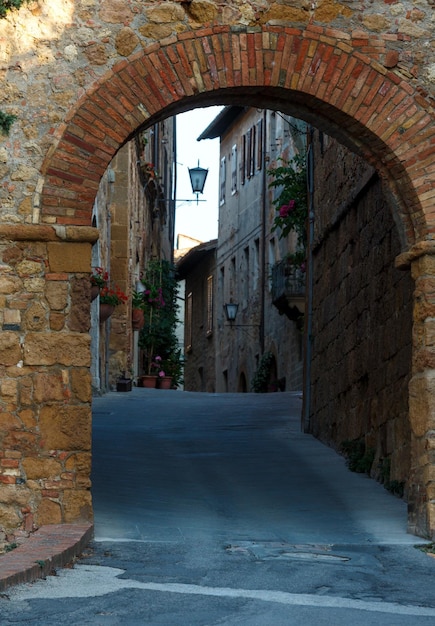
263	237
172	204
305	418
111	181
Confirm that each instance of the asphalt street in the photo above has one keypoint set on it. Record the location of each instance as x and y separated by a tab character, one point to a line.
215	509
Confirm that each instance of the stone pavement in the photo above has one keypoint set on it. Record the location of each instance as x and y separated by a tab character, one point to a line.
216	509
48	548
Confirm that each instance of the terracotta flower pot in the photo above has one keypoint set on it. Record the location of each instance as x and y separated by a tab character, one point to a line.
95	292
164	382
106	311
137	319
148	381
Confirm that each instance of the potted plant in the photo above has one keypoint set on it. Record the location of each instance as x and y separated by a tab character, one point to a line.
99	278
124	382
158	335
137	311
155	371
173	366
110	297
261	379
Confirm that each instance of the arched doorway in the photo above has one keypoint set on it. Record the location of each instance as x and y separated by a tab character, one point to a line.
308	73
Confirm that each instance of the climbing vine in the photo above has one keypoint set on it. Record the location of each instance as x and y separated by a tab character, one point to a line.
290	179
7	119
8	5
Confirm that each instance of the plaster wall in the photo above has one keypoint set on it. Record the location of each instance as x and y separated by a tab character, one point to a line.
247	250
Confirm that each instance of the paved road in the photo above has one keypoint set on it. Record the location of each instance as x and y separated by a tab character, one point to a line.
217	510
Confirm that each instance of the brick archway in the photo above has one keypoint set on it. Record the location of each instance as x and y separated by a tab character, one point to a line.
340	84
324	77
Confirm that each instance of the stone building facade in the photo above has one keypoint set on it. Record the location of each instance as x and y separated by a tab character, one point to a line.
134	211
83	77
362	319
246	252
197	272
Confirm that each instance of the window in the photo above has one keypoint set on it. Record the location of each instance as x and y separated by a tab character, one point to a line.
188	330
259	158
222	295
256	268
243	161
223	181
234	170
252	152
209	305
245	275
248	154
233	277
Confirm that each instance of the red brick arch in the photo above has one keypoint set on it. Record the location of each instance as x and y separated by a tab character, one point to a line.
325	77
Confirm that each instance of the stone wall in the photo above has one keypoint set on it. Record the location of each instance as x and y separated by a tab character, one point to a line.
45	445
52	54
83	76
362	318
199	367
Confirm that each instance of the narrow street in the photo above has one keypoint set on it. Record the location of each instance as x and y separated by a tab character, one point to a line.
217	510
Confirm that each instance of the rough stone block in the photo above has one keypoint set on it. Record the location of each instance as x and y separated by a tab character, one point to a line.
35	318
77	506
40	468
48	512
51	348
81	384
69	257
10	349
49	388
422	403
65	427
56	293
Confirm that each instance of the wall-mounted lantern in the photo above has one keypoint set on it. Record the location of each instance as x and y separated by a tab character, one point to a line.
231	309
197	179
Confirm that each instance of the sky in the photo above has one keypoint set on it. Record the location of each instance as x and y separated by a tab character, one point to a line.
199	221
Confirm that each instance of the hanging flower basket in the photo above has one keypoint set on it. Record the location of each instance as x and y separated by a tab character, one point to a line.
106	311
95	292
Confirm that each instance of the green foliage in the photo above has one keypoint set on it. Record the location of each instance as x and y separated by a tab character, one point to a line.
359	457
158	336
290	179
6	121
261	377
396	487
8	5
428	548
138	300
10	546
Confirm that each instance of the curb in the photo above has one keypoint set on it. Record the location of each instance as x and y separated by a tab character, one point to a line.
48	548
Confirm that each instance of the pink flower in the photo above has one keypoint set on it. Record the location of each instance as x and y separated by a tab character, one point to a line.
162	374
287	208
157	358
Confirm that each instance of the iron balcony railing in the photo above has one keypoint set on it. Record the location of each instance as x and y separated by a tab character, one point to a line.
287	281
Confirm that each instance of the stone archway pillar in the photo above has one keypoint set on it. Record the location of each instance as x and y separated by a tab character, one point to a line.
45	384
421	495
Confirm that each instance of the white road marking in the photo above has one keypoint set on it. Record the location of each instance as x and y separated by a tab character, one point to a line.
85	581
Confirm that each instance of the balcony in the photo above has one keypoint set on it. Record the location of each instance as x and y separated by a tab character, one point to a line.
288	290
